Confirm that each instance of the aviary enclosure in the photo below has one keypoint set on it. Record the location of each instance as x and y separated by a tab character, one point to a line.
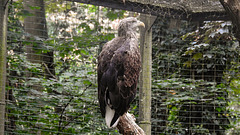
190	80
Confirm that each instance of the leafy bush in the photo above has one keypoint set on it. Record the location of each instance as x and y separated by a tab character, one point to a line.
65	102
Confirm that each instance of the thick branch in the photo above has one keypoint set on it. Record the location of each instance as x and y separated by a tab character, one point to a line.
233	9
127	125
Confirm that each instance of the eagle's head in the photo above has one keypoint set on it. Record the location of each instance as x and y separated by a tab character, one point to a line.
128	27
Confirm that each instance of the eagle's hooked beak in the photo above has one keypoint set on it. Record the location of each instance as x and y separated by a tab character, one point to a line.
139	23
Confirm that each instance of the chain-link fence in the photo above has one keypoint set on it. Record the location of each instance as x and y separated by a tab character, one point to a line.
52	49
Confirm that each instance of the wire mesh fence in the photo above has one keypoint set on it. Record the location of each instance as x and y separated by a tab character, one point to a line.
191	89
51	78
52	49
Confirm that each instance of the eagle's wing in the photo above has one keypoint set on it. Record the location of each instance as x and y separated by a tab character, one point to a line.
104	60
118	71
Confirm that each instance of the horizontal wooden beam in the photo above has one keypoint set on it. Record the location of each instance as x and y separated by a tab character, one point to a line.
209	16
157	10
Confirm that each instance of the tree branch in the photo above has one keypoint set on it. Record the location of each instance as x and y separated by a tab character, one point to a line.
127	125
233	9
49	71
61	117
60	127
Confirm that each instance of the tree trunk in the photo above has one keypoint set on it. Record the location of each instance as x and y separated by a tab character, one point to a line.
232	7
36	27
3	44
36	33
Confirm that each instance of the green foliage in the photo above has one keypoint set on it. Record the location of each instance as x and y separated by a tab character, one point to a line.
191	105
195	72
115	14
232	77
53	6
209	50
65	103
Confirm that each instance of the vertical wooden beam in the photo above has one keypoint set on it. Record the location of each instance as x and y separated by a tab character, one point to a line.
3	42
146	73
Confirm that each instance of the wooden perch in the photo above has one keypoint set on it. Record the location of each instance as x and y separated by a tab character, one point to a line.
127	125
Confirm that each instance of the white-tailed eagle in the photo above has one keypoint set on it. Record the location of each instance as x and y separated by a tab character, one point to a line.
119	64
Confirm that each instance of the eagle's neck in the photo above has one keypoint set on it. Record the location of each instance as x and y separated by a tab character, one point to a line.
127	34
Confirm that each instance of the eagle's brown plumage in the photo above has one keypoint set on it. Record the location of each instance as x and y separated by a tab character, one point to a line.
119	65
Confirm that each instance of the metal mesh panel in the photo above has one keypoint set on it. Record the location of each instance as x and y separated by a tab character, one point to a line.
192	62
52	54
51	85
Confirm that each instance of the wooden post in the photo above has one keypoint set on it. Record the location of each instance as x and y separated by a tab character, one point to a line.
145	75
3	42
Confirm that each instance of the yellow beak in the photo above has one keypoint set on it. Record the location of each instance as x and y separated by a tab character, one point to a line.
139	23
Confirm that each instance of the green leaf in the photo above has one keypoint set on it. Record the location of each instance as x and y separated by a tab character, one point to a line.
189	52
197	56
84	52
187	64
34	7
24	13
87	82
219	109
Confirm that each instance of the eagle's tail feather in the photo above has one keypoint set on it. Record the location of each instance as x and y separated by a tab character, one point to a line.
111	117
115	120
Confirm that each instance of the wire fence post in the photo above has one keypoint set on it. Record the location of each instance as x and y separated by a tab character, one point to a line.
3	42
145	75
